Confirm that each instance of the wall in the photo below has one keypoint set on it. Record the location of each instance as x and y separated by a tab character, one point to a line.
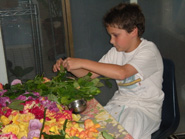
90	38
164	25
3	73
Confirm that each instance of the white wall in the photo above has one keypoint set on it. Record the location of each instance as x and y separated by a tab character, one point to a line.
3	71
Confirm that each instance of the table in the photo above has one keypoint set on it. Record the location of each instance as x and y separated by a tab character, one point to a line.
97	113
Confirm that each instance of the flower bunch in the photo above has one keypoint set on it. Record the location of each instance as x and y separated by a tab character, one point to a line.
31	115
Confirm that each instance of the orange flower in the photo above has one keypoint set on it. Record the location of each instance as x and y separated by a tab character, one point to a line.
46	79
1	86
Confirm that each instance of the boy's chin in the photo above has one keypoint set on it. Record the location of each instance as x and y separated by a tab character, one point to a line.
119	50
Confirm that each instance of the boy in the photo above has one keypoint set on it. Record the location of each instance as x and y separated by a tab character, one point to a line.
135	64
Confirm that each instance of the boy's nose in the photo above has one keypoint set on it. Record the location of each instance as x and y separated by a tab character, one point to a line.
111	40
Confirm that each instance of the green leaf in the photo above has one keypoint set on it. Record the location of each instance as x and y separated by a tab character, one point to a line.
53	97
16	105
46	136
62	69
76	85
107	135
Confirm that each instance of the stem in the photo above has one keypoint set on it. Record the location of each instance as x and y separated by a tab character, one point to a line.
43	122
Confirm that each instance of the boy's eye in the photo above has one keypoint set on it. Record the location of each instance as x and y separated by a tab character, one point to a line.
115	35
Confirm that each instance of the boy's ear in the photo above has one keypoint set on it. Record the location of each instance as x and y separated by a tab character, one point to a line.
135	31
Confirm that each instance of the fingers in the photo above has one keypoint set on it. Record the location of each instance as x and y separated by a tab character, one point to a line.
56	67
66	63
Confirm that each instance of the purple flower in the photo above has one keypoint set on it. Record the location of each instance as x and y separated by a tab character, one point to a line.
4	101
21	97
16	81
2	92
24	137
36	94
50	105
33	133
24	98
35	124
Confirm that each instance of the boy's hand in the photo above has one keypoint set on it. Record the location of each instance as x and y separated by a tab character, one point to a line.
56	67
72	63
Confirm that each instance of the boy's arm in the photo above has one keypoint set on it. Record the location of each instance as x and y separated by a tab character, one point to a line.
77	72
83	72
108	70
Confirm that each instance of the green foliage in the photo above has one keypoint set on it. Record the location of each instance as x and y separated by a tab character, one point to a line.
16	105
62	88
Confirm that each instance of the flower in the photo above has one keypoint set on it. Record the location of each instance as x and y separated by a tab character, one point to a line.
38	112
4	101
27	123
12	128
8	136
35	124
25	114
33	134
16	81
1	86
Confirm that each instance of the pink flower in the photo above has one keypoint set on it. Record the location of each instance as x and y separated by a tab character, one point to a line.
35	124
16	81
8	136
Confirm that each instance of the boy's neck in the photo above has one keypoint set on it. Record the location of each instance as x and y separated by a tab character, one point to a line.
135	44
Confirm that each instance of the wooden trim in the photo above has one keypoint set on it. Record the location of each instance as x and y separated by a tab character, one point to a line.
68	27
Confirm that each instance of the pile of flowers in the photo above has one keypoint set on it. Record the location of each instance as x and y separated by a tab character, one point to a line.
31	115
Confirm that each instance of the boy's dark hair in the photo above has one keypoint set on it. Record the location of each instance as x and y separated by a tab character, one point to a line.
126	16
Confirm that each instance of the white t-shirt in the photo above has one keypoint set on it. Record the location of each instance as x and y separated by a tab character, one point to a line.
144	89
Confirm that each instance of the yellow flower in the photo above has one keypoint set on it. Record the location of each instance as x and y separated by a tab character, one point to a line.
54	129
59	107
50	122
23	126
5	120
76	117
15	119
11	128
61	120
22	134
22	118
27	117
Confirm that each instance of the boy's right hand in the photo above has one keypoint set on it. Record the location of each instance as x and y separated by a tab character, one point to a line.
56	66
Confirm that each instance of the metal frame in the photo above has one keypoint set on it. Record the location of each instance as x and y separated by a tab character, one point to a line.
27	8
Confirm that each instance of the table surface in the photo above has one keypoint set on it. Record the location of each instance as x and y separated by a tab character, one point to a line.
97	113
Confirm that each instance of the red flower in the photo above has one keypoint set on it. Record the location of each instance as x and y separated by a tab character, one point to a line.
38	112
5	111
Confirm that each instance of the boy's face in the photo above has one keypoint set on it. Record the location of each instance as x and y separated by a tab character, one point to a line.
121	39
